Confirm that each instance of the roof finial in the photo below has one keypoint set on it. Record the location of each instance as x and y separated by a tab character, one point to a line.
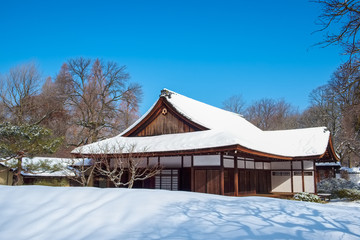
165	93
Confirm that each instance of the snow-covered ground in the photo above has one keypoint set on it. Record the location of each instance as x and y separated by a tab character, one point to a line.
36	212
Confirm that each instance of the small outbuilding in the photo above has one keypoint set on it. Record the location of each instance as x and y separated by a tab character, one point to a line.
6	175
206	149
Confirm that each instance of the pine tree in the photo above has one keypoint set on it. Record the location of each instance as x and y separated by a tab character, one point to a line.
19	141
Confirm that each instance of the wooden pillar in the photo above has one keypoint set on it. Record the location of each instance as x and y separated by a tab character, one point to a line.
7	176
315	177
222	183
292	176
160	178
181	175
236	177
302	176
192	174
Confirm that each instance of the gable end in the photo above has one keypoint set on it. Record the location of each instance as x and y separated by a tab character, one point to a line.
163	119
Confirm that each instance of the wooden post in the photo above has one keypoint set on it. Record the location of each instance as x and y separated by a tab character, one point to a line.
292	176
315	176
222	183
302	175
236	176
192	174
160	177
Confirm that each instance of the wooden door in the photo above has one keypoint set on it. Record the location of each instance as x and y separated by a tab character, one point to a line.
247	181
207	181
263	184
213	181
200	181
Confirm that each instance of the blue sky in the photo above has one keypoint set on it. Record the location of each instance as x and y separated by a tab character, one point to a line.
207	50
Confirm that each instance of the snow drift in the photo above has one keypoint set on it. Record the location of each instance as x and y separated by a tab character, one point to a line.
36	212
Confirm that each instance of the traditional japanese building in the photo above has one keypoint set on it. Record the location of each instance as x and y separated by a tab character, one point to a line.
206	149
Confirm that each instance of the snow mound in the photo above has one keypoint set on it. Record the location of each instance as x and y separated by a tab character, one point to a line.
37	212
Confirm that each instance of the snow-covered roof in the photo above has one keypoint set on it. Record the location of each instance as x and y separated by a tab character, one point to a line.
62	163
328	164
351	170
205	115
225	129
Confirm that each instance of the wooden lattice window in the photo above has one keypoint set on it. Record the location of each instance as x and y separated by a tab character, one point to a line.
168	179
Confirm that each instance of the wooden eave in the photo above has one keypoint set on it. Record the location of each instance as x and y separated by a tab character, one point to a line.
330	153
156	111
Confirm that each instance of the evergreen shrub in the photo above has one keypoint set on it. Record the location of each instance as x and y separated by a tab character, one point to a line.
306	197
351	194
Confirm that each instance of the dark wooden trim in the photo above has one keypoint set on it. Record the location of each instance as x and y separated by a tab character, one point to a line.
192	174
302	176
160	178
315	177
222	181
236	177
292	177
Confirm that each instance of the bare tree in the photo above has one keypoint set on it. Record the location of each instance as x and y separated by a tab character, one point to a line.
347	95
234	104
324	111
17	92
124	167
341	20
82	170
97	90
329	113
269	114
124	171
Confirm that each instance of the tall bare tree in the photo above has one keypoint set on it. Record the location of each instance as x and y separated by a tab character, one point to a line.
346	93
340	21
270	114
98	88
17	92
235	104
129	107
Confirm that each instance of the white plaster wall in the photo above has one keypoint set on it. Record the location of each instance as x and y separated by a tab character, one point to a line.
241	164
142	162
249	164
297	165
308	165
309	183
170	162
297	183
207	160
187	161
153	161
280	165
267	165
281	183
228	163
259	165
